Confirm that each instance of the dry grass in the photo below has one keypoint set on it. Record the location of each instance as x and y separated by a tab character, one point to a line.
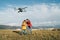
36	35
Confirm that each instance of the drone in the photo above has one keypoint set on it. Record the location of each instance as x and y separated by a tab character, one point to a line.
21	9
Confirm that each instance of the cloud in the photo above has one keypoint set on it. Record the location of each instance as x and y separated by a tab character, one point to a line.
38	14
13	24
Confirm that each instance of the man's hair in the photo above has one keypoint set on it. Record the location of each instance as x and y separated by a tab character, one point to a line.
27	19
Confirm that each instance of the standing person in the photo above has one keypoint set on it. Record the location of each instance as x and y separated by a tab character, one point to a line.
24	25
29	25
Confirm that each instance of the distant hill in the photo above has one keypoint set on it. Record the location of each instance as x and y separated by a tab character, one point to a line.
8	27
13	27
34	27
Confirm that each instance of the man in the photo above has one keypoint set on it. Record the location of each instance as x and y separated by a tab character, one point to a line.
29	25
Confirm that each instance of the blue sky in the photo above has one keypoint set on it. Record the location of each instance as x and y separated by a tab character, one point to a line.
40	12
26	2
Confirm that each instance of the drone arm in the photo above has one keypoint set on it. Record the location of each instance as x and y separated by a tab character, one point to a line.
24	7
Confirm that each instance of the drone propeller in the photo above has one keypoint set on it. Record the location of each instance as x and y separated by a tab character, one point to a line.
24	7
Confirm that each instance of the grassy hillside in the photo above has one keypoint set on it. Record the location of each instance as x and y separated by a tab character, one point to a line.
36	35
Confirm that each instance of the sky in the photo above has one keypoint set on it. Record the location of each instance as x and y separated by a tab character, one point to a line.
40	12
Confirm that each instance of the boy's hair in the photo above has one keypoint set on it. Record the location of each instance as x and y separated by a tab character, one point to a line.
24	20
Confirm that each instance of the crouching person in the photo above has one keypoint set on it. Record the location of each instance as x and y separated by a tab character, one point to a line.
29	24
24	25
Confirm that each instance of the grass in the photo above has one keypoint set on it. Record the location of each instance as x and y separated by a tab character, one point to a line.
36	35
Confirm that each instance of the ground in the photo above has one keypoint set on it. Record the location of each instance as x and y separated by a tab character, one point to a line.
36	35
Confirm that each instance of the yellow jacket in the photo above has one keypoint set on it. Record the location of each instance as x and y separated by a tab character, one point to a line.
24	25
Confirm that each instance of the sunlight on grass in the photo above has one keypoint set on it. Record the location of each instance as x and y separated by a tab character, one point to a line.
36	35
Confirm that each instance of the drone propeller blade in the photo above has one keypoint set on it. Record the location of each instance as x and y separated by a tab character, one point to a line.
24	7
15	8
